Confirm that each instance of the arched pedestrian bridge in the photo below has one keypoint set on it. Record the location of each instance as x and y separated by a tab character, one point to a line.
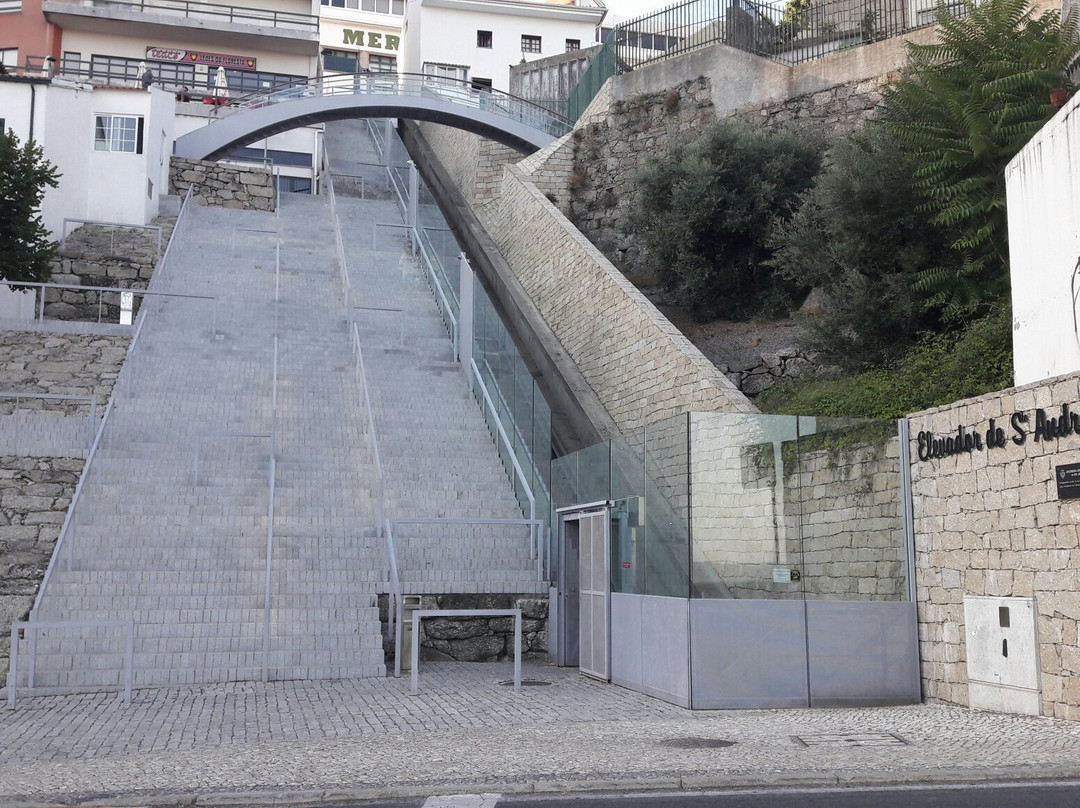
514	122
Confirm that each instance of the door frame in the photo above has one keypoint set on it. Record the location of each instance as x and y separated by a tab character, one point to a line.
569	613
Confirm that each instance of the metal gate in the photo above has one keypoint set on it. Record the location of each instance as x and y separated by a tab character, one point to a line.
594	595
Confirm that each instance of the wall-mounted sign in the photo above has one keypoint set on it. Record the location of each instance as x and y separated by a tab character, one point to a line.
201	58
1068	481
370	39
997	436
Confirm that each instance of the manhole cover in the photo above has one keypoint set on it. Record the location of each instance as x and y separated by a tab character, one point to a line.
698	743
851	739
526	683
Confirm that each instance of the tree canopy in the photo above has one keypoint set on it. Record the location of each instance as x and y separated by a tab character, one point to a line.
25	248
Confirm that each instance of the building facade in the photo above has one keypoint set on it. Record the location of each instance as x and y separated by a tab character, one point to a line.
479	40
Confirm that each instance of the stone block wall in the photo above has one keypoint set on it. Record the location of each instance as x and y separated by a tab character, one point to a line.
34	495
223	186
640	366
96	255
66	364
989	521
474	163
825	505
610	151
479	639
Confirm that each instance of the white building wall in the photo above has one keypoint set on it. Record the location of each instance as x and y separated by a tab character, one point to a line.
449	35
1043	202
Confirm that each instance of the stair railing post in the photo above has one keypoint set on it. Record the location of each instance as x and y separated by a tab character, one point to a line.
464	341
413	202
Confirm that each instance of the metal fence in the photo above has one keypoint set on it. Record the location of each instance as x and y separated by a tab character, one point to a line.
790	32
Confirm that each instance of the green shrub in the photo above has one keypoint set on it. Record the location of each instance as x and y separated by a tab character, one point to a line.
965	107
860	239
939	370
706	209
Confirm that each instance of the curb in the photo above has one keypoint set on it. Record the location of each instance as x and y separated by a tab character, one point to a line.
742	782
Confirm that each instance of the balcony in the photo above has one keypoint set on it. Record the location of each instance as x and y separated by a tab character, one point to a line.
211	23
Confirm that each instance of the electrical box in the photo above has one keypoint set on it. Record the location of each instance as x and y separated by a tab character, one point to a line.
1003	654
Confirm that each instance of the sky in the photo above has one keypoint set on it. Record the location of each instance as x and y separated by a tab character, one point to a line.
635	8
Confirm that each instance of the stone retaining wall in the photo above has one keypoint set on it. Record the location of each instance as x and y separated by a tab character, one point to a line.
479	639
34	496
223	186
96	255
67	364
990	522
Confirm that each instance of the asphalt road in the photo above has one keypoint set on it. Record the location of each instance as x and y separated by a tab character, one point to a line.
997	795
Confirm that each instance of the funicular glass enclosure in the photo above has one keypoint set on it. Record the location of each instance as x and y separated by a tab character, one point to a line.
723	560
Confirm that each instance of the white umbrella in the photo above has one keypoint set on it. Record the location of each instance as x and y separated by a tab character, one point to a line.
221	84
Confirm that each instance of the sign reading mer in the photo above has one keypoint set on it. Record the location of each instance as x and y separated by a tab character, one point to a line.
374	39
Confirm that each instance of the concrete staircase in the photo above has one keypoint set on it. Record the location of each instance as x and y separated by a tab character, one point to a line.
172	530
438	456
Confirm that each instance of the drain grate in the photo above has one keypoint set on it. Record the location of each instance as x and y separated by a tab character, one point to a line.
698	743
526	683
851	739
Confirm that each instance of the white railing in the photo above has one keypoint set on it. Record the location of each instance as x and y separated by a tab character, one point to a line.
394	617
112	232
20	630
361	376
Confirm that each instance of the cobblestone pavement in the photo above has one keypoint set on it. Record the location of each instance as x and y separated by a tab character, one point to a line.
466	731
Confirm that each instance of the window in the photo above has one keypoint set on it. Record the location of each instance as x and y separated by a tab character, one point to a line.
483	39
118	133
382	64
573	45
481	84
530	43
446	71
293	185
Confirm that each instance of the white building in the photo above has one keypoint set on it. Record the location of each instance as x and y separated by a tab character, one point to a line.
359	35
478	40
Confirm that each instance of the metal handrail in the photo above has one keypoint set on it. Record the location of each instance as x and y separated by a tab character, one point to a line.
101	290
394	596
35	626
52	397
64	231
505	439
444	300
66	528
231	14
414	85
362	378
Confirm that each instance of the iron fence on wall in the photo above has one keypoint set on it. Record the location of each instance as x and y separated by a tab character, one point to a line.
790	32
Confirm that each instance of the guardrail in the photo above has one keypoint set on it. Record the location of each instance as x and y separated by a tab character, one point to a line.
420	614
361	376
413	85
211	12
17	419
20	629
394	597
126	307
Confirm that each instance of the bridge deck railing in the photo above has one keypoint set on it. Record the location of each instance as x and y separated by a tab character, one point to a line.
413	85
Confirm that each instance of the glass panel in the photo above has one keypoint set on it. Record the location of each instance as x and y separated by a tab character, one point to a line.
667	502
564	481
594	482
848	498
746	534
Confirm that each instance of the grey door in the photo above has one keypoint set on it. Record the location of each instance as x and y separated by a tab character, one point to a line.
569	543
594	595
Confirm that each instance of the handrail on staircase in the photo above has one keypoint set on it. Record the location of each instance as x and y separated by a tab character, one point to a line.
67	528
394	597
362	378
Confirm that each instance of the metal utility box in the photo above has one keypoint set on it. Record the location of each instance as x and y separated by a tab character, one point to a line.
409	604
1003	654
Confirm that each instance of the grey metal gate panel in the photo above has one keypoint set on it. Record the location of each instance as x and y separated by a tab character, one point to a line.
650	646
863	653
747	653
593	595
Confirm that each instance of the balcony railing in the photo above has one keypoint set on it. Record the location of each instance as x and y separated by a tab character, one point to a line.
209	12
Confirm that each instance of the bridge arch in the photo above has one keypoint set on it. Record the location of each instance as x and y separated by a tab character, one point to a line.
504	118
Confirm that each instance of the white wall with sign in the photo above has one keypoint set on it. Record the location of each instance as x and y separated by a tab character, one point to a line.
1043	199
